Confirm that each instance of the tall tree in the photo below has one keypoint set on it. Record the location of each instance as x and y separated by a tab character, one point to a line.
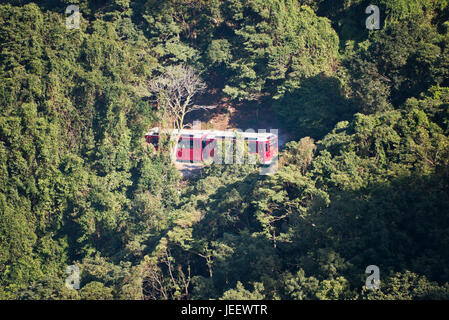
174	91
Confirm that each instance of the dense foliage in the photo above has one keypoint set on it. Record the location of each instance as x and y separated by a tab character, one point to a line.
365	180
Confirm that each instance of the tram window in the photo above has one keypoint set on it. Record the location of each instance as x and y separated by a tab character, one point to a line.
206	144
181	143
153	140
185	143
252	146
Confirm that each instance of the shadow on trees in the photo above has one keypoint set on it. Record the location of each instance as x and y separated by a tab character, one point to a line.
400	226
314	108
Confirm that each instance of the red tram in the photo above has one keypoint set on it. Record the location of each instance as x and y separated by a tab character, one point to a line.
201	145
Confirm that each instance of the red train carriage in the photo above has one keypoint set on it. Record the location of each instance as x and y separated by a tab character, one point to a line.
201	145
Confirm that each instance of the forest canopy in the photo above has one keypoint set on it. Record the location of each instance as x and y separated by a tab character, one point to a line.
363	181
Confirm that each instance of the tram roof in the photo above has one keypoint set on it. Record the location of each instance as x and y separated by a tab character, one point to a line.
215	133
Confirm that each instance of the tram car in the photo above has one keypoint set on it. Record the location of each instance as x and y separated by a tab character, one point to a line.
201	145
